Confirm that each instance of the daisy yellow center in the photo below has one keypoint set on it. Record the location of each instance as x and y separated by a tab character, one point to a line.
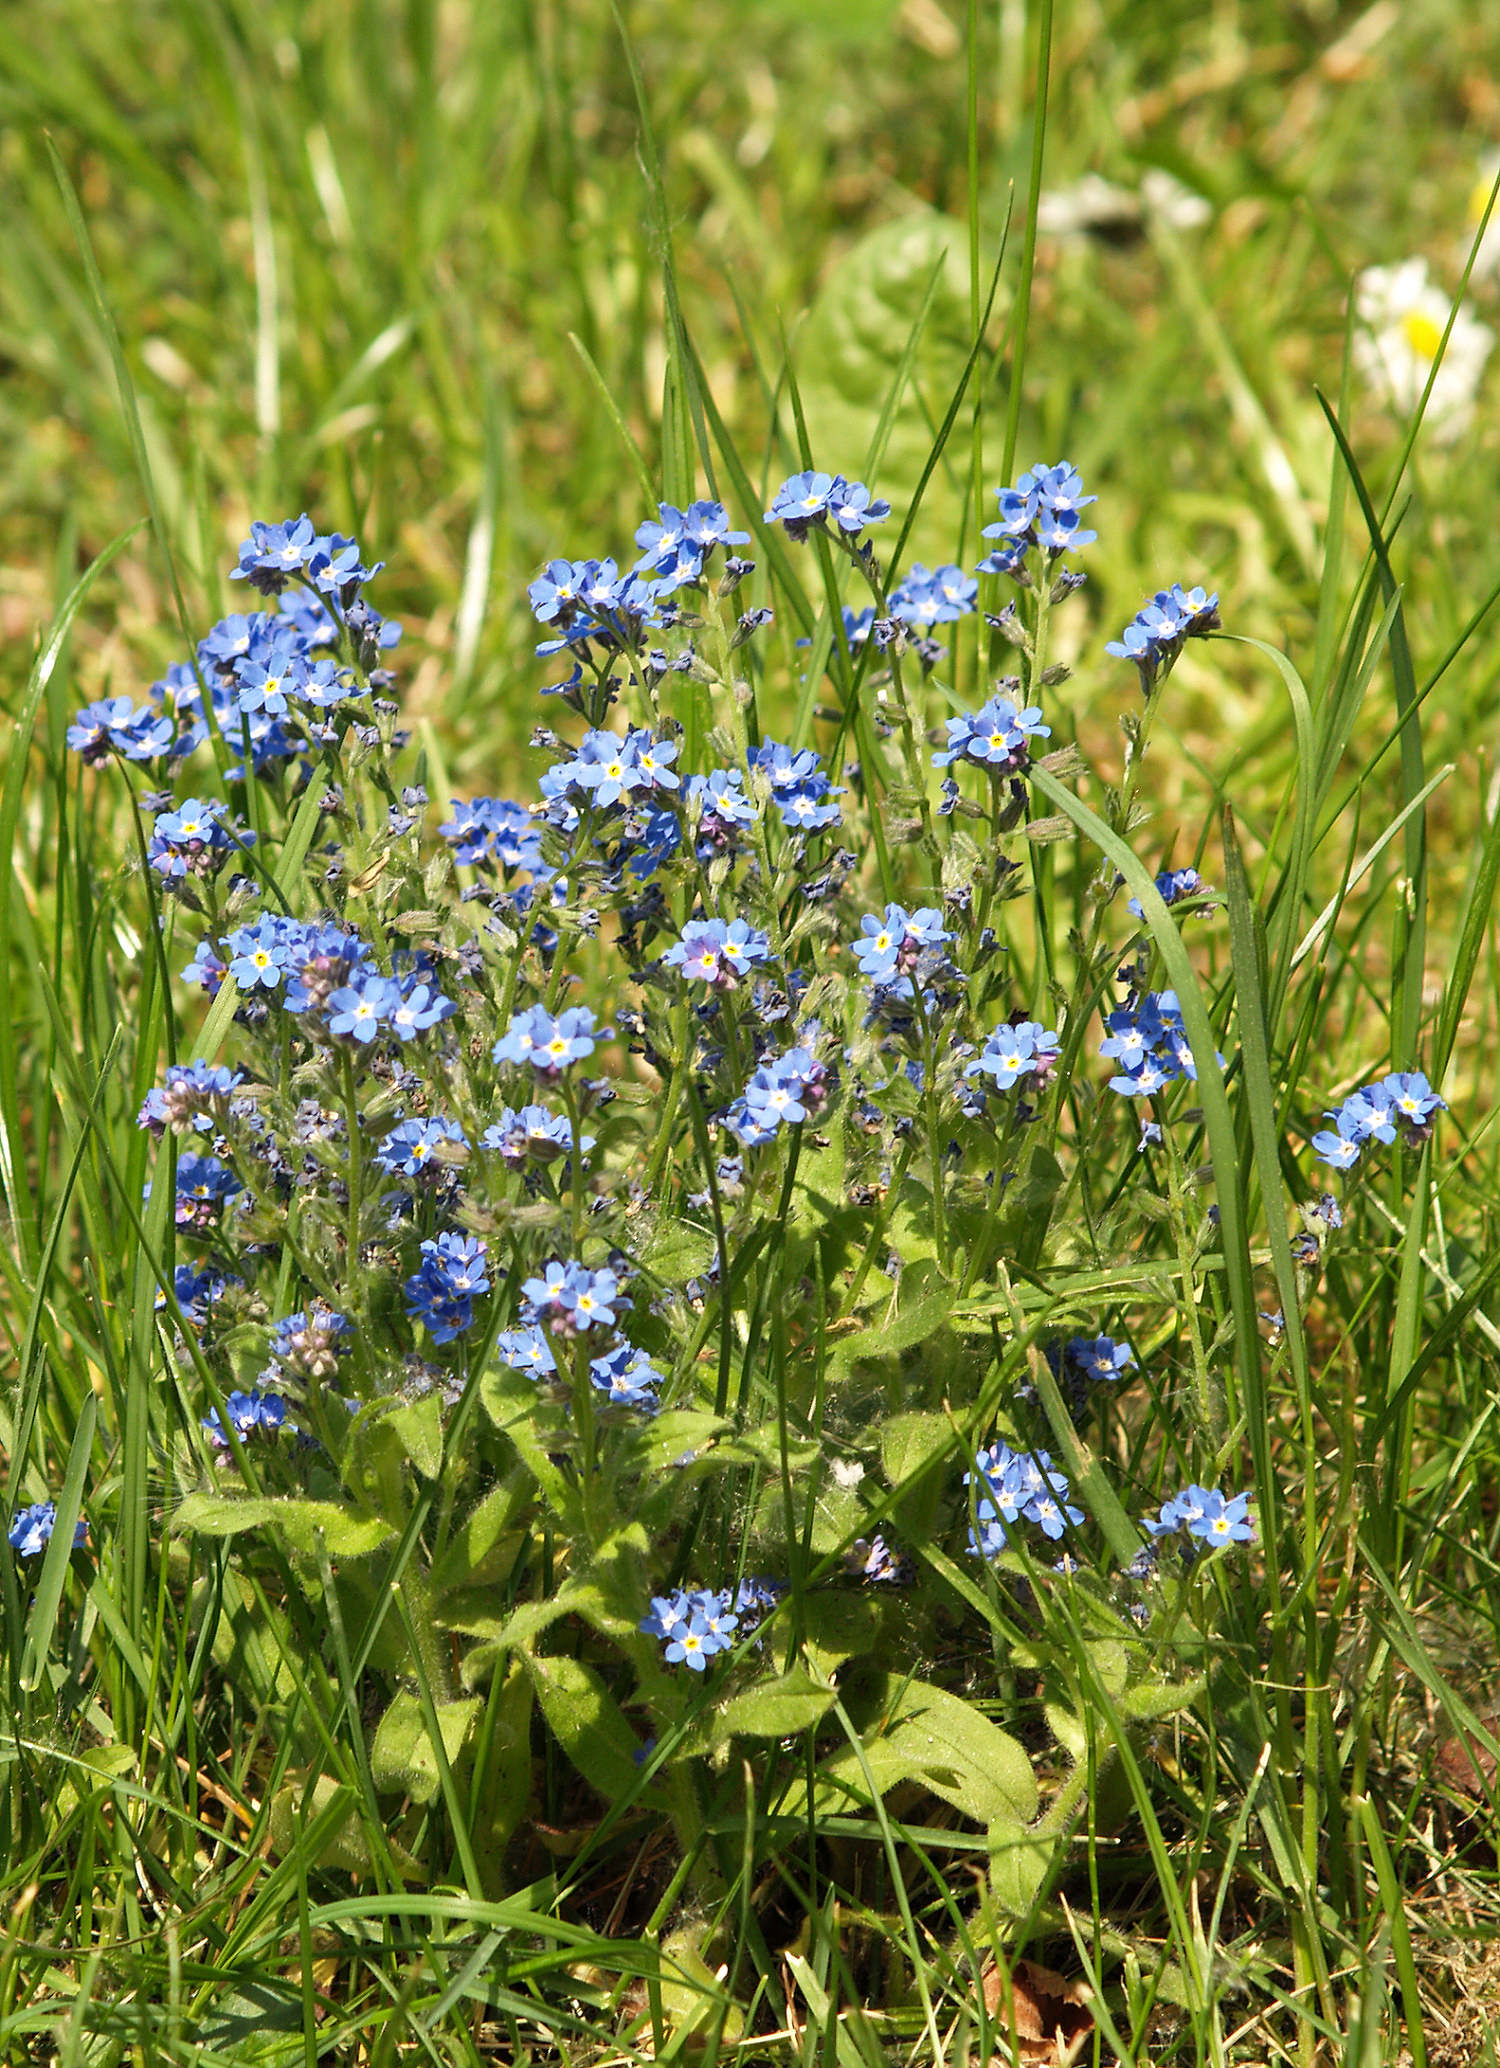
1421	333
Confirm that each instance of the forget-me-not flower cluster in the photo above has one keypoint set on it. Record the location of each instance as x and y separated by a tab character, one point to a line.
1404	1101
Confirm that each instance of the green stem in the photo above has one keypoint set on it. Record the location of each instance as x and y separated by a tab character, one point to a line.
588	1436
354	1296
1209	1392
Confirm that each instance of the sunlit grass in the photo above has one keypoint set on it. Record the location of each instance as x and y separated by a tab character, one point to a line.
348	251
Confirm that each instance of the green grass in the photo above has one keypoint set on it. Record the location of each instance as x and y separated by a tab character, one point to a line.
360	259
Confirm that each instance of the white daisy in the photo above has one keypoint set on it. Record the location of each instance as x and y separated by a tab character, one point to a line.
1402	318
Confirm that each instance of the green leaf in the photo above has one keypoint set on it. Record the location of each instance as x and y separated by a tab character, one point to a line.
1029	1202
820	1177
332	1835
1019	1861
346	1532
503	1767
763	1447
912	1325
607	1594
476	1549
693	1999
1066	1727
1156	1698
510	1401
402	1757
777	1708
910	1442
852	347
419	1425
587	1722
925	1734
89	1775
663	1441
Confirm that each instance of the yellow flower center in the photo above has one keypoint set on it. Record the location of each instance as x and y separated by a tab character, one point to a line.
1421	333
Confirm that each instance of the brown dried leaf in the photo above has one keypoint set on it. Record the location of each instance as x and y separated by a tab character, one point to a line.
1467	1765
1053	2022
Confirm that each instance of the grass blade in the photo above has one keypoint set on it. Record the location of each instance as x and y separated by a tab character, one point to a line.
42	1620
1411	920
1218	1120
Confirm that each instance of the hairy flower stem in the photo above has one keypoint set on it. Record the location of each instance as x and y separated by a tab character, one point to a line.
1208	1390
354	1297
682	1062
588	1437
934	1130
1034	654
979	1250
987	887
906	721
577	1187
